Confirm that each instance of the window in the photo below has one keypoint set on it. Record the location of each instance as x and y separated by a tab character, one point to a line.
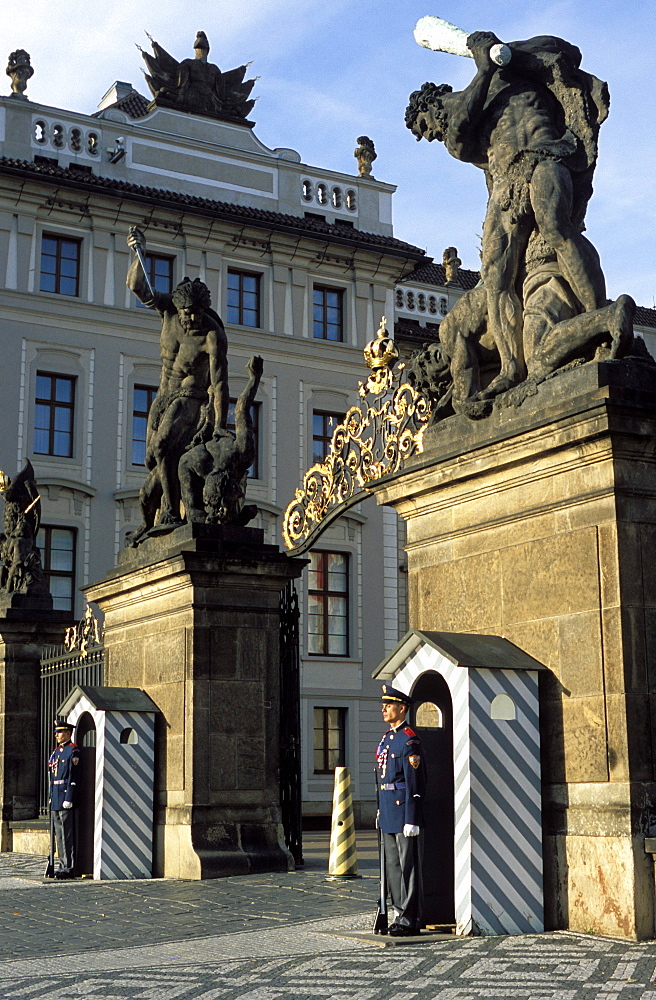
328	600
53	415
503	707
328	323
143	399
429	716
60	265
243	298
323	426
160	273
254	470
58	557
329	739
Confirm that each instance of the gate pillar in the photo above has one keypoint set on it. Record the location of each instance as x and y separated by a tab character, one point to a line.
192	617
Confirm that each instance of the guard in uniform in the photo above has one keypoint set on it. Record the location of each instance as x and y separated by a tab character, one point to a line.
401	773
63	765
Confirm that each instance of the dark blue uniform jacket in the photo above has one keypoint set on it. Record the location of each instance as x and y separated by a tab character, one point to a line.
64	767
401	772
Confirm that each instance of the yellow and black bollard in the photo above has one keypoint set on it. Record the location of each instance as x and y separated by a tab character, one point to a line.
343	861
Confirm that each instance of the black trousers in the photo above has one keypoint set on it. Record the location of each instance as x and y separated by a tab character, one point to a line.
403	865
64	825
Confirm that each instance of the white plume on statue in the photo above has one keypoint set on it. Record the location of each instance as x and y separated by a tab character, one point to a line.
441	36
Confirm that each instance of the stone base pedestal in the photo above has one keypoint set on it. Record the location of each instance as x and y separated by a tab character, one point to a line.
23	634
191	617
539	524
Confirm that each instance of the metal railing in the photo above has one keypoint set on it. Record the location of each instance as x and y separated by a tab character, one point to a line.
61	671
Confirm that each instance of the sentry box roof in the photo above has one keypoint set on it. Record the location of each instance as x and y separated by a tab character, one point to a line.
464	649
110	699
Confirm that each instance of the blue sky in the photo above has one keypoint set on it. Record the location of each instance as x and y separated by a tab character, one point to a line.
331	70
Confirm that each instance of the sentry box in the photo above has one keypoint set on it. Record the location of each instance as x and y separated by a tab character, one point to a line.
115	729
476	711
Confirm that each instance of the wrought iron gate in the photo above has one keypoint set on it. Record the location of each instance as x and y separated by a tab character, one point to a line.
290	723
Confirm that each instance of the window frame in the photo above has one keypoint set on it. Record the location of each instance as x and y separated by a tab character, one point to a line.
150	259
60	238
53	405
325	749
46	554
140	413
256	407
324	323
241	307
325	594
323	438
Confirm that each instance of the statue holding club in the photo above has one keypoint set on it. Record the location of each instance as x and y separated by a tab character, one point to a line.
530	120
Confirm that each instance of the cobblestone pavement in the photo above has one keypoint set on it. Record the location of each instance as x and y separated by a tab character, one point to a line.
274	937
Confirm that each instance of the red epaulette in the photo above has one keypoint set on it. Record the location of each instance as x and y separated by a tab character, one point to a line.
73	745
409	731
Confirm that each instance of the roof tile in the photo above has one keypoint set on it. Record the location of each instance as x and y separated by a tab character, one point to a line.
258	217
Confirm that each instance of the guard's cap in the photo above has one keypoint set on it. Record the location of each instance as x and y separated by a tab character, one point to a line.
391	694
61	725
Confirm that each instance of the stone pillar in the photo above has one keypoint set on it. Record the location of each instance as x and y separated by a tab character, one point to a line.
191	617
23	634
539	524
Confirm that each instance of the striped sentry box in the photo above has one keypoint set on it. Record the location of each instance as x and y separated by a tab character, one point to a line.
496	764
124	721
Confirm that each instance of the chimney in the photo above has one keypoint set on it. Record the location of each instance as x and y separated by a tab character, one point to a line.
116	93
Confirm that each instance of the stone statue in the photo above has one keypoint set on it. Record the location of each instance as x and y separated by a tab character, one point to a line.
20	70
532	125
21	571
451	263
213	472
194	378
197	85
365	154
555	333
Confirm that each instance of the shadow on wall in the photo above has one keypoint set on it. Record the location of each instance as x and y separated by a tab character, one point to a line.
555	801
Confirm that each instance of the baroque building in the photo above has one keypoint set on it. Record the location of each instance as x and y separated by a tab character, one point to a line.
301	263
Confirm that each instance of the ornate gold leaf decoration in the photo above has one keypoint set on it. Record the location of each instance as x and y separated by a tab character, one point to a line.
371	442
87	633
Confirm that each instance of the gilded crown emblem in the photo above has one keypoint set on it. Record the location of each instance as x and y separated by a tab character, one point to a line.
381	354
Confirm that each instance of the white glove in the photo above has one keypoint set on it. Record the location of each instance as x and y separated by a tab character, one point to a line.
69	805
408	830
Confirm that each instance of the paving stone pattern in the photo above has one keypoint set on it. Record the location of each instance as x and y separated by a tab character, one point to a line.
274	937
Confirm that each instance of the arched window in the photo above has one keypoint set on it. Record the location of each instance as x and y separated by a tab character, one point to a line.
129	736
503	707
429	716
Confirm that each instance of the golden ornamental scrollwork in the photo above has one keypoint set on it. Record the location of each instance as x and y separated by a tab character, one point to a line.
372	441
86	634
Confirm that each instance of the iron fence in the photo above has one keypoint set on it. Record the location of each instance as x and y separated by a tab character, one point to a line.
290	723
61	671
